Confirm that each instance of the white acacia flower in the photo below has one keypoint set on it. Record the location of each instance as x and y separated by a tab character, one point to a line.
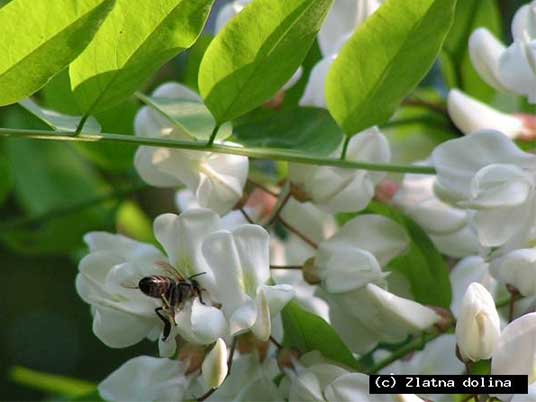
486	173
109	275
250	380
345	190
515	353
343	19
448	227
145	378
239	260
465	272
470	115
517	268
316	380
349	265
217	180
509	69
478	327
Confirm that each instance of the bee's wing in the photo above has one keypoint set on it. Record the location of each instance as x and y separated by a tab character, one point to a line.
170	270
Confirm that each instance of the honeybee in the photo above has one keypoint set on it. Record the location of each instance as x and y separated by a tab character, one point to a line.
174	290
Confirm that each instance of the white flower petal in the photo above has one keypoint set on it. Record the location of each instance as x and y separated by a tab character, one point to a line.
515	353
516	71
478	327
485	51
214	368
350	387
517	268
458	160
382	237
181	236
208	323
263	323
471	115
253	247
174	90
117	329
144	379
314	94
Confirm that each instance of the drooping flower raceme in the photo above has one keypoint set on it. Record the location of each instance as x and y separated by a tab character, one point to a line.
233	275
486	173
509	69
216	180
343	19
478	327
349	265
344	190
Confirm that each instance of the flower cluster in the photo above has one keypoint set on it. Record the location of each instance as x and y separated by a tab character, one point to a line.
212	289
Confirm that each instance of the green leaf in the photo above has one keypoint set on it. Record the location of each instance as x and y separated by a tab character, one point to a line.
136	39
308	130
132	222
422	264
40	38
257	53
57	95
307	332
190	118
455	60
51	383
58	121
385	60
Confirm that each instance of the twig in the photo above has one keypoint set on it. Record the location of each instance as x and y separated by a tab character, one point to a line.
245	214
297	267
277	212
297	233
277	344
263	188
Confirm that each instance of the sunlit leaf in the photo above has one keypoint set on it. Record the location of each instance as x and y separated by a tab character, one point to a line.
136	39
39	38
257	53
385	60
191	118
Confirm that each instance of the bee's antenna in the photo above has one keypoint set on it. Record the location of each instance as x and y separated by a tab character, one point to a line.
199	274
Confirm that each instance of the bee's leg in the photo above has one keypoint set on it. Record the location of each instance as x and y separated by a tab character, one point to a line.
165	320
199	292
168	308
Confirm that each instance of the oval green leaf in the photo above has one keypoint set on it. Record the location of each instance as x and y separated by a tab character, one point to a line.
385	60
257	53
136	39
306	332
39	38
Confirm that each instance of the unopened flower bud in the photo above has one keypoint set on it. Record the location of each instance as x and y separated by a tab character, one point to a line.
214	368
310	272
478	328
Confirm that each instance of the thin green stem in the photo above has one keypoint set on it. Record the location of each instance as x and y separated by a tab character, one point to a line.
213	135
81	124
416	344
345	147
255	153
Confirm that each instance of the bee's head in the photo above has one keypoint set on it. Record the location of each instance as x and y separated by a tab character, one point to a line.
145	285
